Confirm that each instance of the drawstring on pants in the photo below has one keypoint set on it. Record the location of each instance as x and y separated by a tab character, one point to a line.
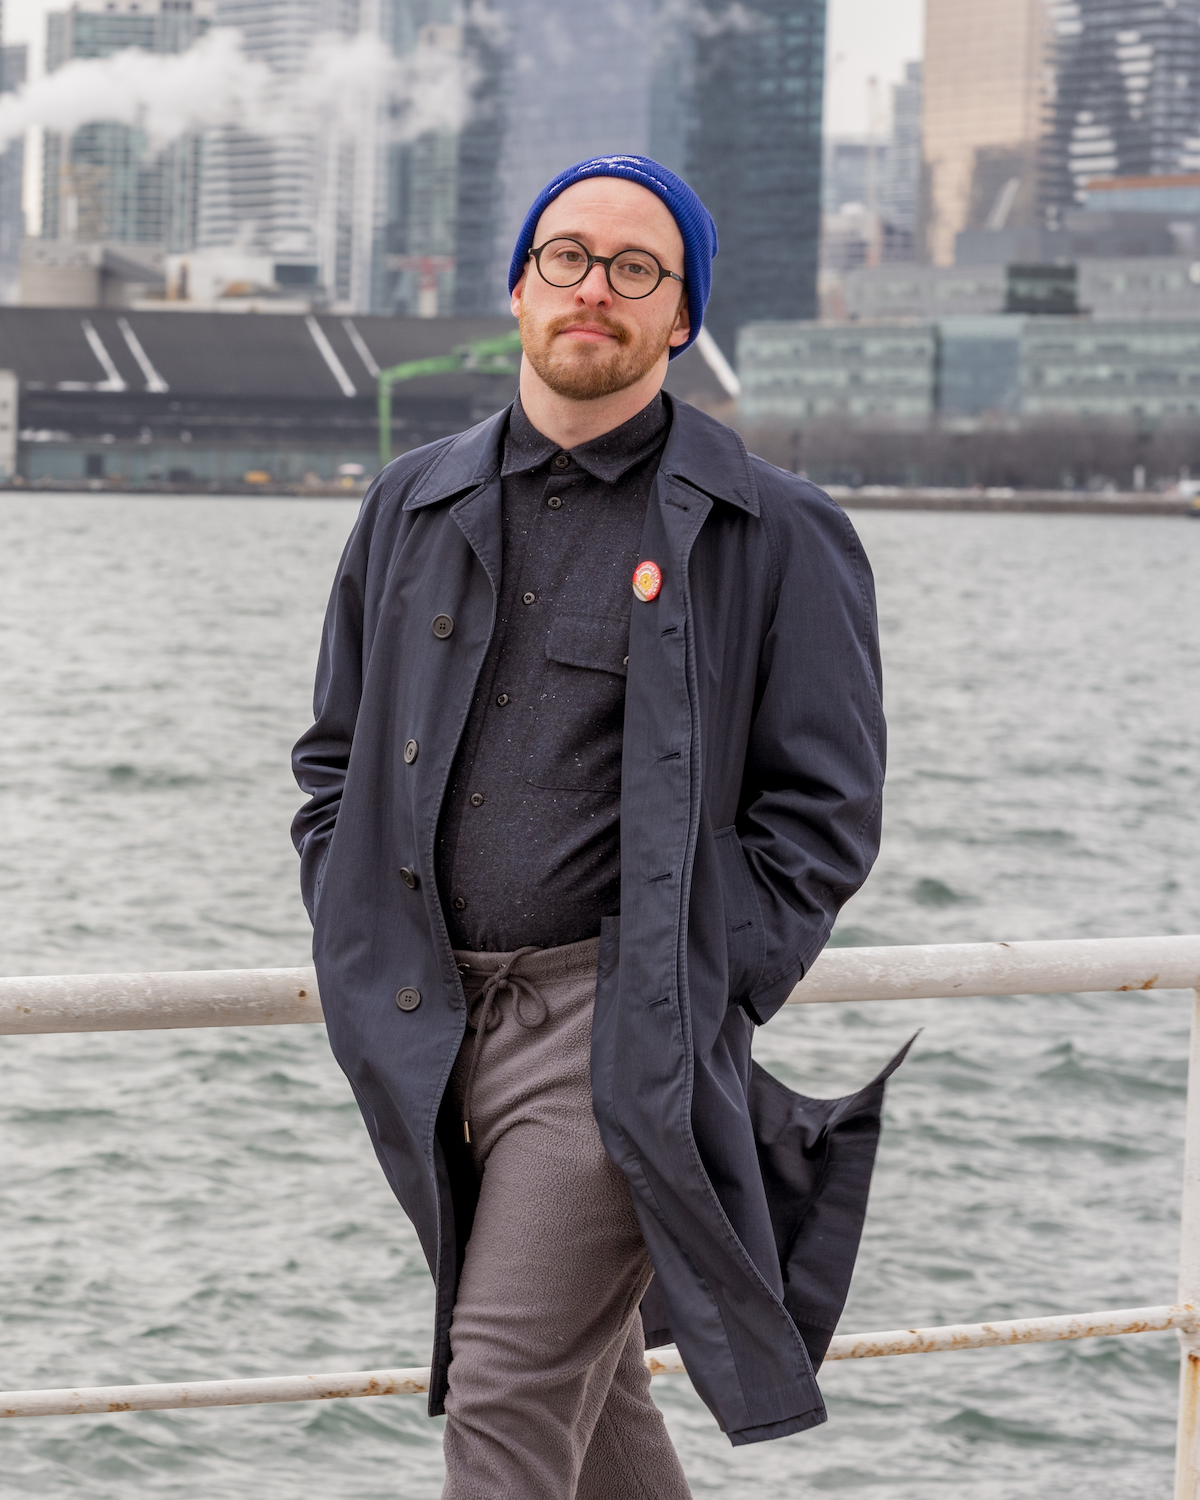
484	1014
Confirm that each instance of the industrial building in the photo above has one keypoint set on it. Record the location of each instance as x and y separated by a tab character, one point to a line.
970	369
209	400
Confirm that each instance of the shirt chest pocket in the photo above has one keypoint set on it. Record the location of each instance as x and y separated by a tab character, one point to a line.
576	742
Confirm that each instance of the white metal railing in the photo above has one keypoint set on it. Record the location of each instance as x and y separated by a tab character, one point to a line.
272	997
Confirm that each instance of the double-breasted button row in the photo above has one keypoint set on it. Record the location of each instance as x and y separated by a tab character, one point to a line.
443	626
410	752
408	998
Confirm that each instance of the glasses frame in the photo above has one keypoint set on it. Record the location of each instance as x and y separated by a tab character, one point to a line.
606	261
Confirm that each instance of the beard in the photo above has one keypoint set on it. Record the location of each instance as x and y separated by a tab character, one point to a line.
585	372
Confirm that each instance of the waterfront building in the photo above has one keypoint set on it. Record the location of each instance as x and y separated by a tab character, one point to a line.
970	369
1127	96
13	62
1143	286
104	182
874	373
984	94
127	397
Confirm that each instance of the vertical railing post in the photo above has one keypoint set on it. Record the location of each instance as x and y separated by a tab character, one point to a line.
1187	1452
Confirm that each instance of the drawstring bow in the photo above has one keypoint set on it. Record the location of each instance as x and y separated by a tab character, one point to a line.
484	1015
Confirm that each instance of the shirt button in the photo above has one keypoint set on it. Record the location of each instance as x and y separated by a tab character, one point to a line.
410	752
554	502
443	626
476	799
502	699
408	999
562	461
459	903
409	877
528	598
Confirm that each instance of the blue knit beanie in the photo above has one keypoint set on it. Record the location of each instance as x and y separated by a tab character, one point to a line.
694	221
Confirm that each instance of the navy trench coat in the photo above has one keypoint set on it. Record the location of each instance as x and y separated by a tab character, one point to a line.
750	810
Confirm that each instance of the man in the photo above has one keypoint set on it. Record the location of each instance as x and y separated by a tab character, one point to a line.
567	843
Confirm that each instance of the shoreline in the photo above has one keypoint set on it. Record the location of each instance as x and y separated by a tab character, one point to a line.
1048	502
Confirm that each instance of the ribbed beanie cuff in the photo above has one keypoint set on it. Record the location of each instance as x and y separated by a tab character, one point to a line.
694	221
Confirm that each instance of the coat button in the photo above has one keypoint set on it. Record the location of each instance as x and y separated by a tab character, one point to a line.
410	752
554	502
409	877
476	799
502	699
408	999
443	626
528	598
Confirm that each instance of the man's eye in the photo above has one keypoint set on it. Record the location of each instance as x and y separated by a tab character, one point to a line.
569	257
634	268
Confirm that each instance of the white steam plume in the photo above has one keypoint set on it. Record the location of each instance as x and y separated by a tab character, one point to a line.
214	83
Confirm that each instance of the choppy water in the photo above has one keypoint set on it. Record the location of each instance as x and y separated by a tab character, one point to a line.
201	1204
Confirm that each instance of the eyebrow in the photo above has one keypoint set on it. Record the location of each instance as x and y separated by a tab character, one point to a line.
583	237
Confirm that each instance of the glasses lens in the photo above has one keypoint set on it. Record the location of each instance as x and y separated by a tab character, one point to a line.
563	262
635	273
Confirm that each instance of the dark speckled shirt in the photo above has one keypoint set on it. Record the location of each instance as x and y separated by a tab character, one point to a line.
529	844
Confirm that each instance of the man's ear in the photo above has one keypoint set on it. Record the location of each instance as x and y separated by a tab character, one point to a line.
683	325
515	299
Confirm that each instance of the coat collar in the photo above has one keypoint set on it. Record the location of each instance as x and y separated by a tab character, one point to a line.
700	451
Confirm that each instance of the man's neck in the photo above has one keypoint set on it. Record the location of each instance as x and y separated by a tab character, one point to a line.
569	423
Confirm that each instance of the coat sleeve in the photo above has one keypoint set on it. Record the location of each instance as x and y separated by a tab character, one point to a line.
322	754
812	794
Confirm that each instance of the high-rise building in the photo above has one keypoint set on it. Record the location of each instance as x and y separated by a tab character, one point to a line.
984	96
900	187
286	195
104	181
1127	95
753	153
728	96
12	182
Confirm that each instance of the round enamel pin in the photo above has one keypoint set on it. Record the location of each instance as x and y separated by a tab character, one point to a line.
647	580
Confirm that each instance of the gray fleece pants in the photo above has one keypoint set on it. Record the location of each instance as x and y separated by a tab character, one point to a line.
549	1397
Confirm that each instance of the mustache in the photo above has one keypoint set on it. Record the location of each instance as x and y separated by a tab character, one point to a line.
597	320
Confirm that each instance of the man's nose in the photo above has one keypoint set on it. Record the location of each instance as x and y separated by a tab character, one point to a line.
594	290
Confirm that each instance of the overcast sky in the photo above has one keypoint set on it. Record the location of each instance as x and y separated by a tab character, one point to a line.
866	38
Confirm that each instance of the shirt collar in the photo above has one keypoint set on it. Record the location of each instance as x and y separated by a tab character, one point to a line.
606	457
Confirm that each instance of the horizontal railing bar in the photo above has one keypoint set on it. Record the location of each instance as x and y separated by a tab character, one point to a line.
275	997
415	1382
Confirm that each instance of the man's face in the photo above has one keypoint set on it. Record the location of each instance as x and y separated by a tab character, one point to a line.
584	341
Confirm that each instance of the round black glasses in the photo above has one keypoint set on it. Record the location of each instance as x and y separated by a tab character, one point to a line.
632	273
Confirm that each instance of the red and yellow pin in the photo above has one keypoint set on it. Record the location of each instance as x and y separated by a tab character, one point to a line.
647	580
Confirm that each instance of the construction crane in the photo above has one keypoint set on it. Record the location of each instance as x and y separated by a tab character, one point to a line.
485	357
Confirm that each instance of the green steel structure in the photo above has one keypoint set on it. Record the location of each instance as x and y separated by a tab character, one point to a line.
485	357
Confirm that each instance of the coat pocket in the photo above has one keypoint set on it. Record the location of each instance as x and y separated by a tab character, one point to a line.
744	936
576	744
